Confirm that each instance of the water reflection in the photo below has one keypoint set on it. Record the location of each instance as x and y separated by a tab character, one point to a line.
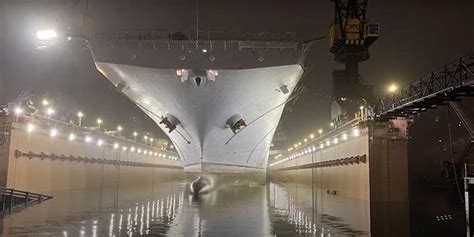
292	216
170	210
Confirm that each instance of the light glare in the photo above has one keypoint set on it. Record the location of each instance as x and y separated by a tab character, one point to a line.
356	132
45	102
48	34
30	127
50	111
344	136
72	137
18	110
392	88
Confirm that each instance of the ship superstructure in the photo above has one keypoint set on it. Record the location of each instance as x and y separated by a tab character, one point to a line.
219	98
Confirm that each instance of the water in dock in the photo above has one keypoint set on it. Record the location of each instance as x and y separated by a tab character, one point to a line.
167	209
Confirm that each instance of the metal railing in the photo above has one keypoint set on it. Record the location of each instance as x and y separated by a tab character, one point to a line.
46	123
437	85
11	198
208	40
190	35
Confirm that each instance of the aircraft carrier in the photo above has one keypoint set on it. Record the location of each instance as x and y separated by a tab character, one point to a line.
218	96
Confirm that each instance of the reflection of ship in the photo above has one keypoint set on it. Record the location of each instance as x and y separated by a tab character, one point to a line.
219	100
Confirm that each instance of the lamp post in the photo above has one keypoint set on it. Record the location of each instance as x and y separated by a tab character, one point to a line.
146	139
49	112
119	129
45	102
80	115
99	122
135	134
18	111
320	131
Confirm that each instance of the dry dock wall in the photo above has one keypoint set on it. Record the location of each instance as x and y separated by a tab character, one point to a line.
37	162
362	179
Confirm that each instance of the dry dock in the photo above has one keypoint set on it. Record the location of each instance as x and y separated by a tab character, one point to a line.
357	172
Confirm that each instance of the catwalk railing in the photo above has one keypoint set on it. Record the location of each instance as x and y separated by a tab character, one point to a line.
111	139
188	39
11	198
177	34
448	83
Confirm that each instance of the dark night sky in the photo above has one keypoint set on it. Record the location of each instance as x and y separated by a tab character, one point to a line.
417	36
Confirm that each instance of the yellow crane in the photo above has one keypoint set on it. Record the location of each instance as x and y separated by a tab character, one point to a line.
350	37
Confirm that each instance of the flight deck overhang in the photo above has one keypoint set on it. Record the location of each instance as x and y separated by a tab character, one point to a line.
198	55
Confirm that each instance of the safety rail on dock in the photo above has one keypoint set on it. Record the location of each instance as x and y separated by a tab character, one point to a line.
12	198
339	134
46	123
208	40
177	34
448	83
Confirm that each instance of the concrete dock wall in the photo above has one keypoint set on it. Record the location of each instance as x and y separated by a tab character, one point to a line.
358	173
38	162
338	190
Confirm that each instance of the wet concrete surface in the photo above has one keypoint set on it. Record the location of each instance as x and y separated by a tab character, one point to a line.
168	209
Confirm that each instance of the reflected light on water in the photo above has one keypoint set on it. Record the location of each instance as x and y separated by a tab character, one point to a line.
263	210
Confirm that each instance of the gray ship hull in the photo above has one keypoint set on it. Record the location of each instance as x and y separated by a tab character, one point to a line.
219	101
203	137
